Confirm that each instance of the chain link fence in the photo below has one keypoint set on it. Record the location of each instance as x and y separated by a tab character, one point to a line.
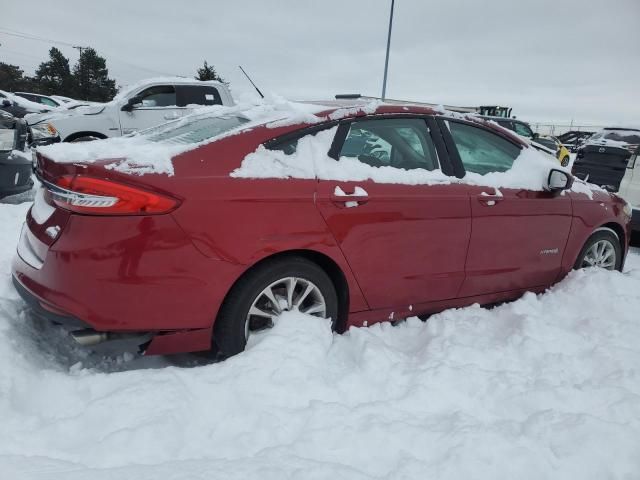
556	129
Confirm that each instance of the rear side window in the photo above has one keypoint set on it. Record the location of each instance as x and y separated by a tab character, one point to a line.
481	151
397	142
197	95
158	96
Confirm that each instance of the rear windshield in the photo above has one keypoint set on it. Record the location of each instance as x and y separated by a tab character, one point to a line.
193	131
619	136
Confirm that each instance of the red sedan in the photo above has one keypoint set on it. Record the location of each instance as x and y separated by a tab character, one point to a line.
355	213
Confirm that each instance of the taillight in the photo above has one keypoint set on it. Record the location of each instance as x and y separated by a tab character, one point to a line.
96	196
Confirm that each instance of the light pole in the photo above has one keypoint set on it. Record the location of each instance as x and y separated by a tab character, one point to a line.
386	60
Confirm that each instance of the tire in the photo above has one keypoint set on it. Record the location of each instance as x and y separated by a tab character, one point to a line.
234	324
565	161
86	138
601	237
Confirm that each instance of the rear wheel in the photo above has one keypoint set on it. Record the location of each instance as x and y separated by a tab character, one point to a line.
602	250
565	161
258	298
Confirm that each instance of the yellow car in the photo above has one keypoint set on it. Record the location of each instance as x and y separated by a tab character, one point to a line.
562	153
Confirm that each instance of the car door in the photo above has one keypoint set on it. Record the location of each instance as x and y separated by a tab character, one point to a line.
518	236
406	244
158	104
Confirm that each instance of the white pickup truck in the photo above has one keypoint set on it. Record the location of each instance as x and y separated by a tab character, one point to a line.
143	105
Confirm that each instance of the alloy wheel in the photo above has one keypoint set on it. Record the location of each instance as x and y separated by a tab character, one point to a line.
601	254
286	294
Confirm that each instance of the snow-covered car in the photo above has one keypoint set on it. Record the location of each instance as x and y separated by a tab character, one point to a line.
15	164
630	188
19	106
41	99
144	105
199	233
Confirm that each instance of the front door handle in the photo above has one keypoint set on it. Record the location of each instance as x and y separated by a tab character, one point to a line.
352	199
490	200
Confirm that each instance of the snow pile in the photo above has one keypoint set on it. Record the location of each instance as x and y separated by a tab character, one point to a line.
545	387
135	154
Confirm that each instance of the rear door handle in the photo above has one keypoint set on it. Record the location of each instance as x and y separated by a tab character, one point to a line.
171	116
353	199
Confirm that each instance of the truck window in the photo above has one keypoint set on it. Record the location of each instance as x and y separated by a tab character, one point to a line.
197	95
158	96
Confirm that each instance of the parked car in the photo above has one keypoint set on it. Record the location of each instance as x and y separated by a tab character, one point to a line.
142	106
18	106
42	99
15	164
197	255
558	149
518	126
573	139
603	159
630	188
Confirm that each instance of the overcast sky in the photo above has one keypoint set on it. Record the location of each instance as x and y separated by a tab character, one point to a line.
550	60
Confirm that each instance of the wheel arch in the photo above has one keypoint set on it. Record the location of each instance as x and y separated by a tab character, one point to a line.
329	265
75	135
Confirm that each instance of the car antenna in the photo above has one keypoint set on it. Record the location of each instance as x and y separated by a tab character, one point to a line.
249	78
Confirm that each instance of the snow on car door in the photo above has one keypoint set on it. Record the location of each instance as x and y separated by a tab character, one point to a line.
518	236
406	244
158	104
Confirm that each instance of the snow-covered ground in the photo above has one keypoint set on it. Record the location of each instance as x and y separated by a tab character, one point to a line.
544	387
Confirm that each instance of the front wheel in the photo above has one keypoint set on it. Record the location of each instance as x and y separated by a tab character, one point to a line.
258	298
565	161
602	250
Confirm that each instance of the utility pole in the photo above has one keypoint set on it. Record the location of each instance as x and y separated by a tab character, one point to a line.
386	60
84	86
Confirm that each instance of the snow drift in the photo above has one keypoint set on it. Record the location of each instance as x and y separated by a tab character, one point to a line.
544	387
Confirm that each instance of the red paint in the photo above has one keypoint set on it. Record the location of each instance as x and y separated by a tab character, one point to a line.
405	250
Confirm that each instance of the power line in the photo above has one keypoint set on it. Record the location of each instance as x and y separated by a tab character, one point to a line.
28	36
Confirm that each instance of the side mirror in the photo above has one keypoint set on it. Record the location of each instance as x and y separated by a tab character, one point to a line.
135	100
536	135
6	103
559	180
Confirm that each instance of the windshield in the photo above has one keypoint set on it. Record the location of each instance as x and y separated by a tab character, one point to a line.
627	136
193	131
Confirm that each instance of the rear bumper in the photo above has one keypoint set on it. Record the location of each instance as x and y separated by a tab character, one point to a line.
124	276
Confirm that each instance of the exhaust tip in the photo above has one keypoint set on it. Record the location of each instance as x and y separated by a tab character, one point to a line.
89	337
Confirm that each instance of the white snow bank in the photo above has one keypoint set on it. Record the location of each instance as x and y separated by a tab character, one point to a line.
544	387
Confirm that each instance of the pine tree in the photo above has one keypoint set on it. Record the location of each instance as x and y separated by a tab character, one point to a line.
12	77
53	77
91	77
208	72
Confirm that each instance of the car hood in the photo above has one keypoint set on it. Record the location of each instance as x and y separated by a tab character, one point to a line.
35	118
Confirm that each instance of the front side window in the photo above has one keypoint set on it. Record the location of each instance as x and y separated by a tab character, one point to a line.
158	96
398	142
482	151
48	101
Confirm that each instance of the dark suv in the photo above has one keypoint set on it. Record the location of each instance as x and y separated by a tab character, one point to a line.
15	165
